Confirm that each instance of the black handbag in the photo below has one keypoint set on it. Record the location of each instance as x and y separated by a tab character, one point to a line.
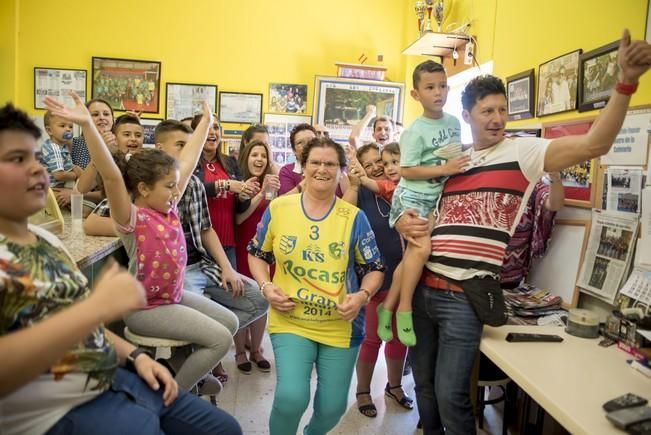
486	299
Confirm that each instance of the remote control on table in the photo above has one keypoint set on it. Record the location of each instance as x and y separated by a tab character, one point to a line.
626	401
643	428
521	337
627	417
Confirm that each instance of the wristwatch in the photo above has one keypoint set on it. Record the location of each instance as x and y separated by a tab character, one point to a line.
131	358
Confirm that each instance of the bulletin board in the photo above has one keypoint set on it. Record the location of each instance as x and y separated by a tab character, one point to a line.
558	270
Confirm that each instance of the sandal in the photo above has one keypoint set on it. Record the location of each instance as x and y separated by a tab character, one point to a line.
262	364
368	410
219	373
244	367
406	401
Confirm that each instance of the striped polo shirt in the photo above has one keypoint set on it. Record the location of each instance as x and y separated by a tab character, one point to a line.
480	208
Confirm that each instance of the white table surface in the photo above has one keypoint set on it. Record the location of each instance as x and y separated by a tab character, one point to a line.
570	380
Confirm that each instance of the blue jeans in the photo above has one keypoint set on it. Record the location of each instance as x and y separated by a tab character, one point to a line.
295	358
248	308
131	407
448	334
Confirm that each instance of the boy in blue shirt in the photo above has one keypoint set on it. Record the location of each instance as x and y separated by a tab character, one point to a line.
425	148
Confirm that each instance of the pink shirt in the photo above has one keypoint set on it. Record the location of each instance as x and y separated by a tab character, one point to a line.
157	254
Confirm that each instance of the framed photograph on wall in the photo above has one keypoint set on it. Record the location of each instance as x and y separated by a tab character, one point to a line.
557	84
578	180
127	84
240	107
340	103
57	83
184	100
597	76
522	132
280	126
287	98
149	125
520	95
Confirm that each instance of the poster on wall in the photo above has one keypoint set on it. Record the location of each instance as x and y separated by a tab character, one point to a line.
578	180
127	84
609	252
149	126
280	126
184	100
58	83
340	103
240	107
630	146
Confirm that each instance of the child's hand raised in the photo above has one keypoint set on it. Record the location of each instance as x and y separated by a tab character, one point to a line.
78	114
207	111
456	165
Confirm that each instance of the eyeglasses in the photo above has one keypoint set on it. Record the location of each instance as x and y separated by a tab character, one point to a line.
317	164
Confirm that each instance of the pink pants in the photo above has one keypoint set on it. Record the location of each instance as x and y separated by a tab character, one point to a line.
371	345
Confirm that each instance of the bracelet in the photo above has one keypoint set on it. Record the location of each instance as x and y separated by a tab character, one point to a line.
368	295
263	285
626	88
227	185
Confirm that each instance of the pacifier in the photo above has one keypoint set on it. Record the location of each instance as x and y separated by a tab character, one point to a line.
67	135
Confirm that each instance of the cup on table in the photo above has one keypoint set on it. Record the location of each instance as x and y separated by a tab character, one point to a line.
76	209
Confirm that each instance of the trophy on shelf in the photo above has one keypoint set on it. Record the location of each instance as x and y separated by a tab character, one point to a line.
439	14
425	20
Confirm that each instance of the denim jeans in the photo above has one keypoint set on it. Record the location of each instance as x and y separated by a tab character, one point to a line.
248	308
448	334
131	407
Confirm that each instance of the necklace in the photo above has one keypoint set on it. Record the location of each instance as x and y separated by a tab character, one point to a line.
384	201
479	161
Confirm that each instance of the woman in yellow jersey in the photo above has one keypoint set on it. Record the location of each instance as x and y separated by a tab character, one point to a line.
323	247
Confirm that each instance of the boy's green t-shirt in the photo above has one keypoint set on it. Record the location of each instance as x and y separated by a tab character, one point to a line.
418	144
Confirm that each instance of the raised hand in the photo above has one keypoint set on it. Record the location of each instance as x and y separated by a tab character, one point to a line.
78	114
634	58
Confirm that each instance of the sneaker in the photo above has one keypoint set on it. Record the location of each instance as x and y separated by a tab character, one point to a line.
209	386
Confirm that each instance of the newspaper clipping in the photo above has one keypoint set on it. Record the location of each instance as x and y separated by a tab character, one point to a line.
624	189
610	247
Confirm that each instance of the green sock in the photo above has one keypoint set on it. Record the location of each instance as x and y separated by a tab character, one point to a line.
384	323
405	328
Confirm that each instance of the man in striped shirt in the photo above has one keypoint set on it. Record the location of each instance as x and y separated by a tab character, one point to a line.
478	212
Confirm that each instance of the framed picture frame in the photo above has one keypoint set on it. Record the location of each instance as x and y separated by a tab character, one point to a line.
287	98
340	103
57	83
597	76
557	84
578	180
279	127
520	95
149	126
240	107
127	84
567	249
183	100
231	140
357	71
523	132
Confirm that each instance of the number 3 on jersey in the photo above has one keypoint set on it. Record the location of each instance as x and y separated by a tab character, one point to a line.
314	232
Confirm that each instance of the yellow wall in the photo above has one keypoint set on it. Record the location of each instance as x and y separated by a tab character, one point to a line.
527	35
8	32
238	45
243	46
